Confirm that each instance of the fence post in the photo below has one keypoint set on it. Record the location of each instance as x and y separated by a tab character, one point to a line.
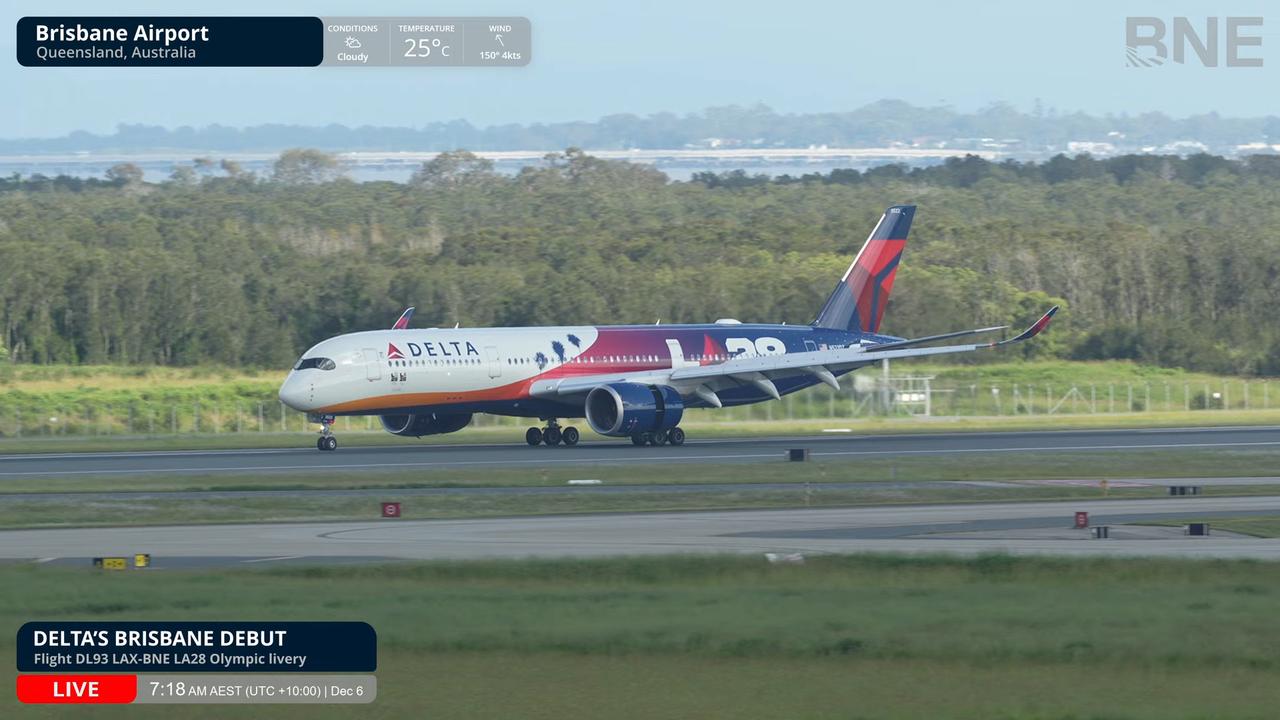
1186	396
1147	406
1246	394
1129	407
1226	394
1167	397
17	422
1111	397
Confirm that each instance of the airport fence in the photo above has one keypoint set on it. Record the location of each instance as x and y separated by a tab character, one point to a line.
22	416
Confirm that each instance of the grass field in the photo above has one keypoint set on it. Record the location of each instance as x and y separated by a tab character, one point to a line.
74	511
808	485
720	637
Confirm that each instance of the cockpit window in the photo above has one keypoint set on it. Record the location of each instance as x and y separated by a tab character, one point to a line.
315	362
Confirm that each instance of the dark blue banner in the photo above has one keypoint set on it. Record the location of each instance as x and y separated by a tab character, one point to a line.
110	647
170	41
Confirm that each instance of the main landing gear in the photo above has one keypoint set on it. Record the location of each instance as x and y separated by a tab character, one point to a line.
552	435
674	436
327	441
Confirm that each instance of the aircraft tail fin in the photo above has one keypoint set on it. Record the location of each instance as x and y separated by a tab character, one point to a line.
402	322
857	304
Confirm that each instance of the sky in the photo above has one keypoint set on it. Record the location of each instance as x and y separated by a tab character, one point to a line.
593	58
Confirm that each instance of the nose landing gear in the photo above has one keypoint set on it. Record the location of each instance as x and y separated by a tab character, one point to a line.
326	441
552	435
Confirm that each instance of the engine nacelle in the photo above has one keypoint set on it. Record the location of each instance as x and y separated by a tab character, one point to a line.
623	409
429	424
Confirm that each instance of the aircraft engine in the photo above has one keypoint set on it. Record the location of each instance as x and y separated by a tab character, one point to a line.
623	409
428	424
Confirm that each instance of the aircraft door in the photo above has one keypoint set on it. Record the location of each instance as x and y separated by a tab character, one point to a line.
810	346
372	366
495	362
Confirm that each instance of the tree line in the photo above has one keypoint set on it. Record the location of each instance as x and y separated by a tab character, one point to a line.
1166	260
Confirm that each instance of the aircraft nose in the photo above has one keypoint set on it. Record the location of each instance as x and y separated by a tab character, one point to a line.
295	394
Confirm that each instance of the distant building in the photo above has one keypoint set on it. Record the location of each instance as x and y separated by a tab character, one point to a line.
1078	147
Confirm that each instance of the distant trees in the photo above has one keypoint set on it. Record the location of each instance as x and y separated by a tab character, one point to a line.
1166	260
456	167
301	166
124	174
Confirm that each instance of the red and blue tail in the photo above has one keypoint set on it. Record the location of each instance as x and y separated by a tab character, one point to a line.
857	304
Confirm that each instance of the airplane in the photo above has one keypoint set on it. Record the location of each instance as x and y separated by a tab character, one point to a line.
627	381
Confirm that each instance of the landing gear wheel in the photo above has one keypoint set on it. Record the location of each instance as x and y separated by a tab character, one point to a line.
675	436
571	436
326	441
533	436
658	438
552	435
639	439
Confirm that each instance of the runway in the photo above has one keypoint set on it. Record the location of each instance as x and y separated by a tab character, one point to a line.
967	529
405	454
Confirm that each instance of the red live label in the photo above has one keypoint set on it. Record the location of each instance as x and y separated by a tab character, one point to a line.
77	688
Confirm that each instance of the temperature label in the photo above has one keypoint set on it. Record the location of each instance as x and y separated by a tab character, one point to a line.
501	41
427	43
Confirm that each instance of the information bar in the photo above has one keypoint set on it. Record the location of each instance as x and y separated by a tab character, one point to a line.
206	41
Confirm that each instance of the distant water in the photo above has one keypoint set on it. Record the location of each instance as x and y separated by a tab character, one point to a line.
156	169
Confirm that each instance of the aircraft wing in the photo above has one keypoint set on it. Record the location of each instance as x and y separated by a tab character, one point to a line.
842	358
820	363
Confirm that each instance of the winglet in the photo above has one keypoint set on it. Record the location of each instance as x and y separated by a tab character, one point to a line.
403	322
1032	331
